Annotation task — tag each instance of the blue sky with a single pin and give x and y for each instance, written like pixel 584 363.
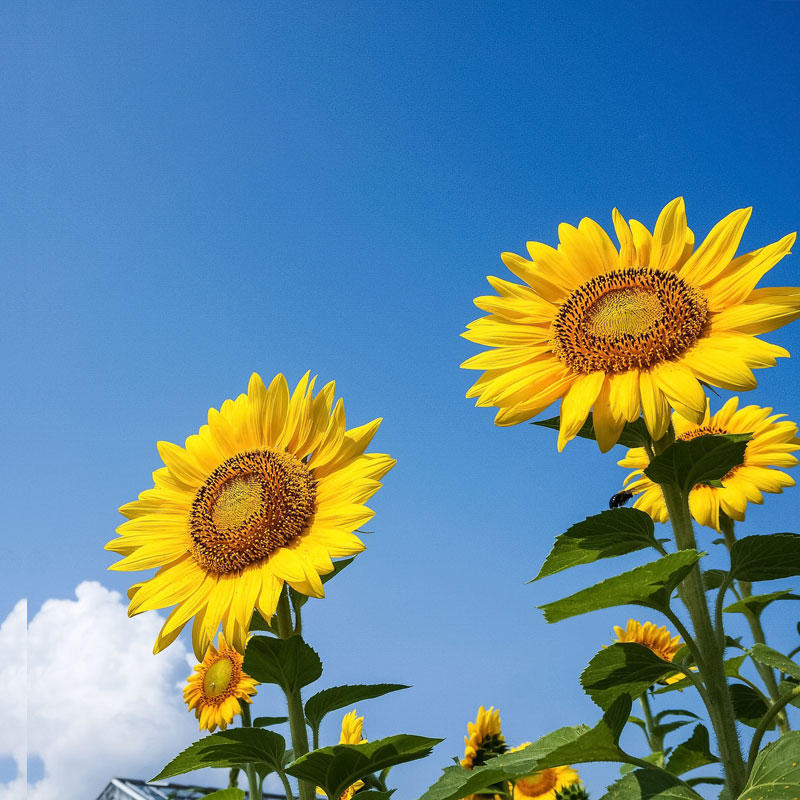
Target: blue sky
pixel 193 193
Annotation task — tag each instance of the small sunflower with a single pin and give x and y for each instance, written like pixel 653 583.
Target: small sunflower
pixel 218 686
pixel 659 640
pixel 772 444
pixel 484 739
pixel 267 493
pixel 630 331
pixel 352 729
pixel 545 784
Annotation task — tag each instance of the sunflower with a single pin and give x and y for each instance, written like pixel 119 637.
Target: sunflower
pixel 352 729
pixel 217 687
pixel 659 640
pixel 545 784
pixel 265 494
pixel 484 739
pixel 630 331
pixel 772 444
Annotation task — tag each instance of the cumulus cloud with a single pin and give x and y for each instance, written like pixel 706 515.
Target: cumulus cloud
pixel 100 703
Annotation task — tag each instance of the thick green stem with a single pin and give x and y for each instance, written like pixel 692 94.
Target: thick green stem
pixel 654 741
pixel 756 630
pixel 294 700
pixel 692 593
pixel 253 781
pixel 766 721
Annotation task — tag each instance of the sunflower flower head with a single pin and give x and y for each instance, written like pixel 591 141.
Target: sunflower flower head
pixel 659 640
pixel 547 784
pixel 218 686
pixel 627 331
pixel 771 446
pixel 484 738
pixel 265 494
pixel 352 729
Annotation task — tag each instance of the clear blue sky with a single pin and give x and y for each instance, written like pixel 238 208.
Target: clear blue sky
pixel 196 191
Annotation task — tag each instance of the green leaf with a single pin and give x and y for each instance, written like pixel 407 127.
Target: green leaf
pixel 235 747
pixel 766 557
pixel 786 686
pixel 574 745
pixel 329 700
pixel 692 753
pixel 668 727
pixel 732 667
pixel 650 784
pixel 676 712
pixel 372 794
pixel 649 585
pixel 776 772
pixel 713 578
pixel 604 535
pixel 623 668
pixel 231 793
pixel 756 603
pixel 772 658
pixel 634 434
pixel 267 722
pixel 706 459
pixel 709 779
pixel 748 705
pixel 290 663
pixel 340 766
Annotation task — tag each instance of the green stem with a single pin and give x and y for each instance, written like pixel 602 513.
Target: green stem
pixel 756 629
pixel 692 593
pixel 654 741
pixel 253 782
pixel 766 720
pixel 287 787
pixel 294 700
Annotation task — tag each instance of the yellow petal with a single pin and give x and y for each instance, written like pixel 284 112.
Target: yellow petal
pixel 576 405
pixel 717 250
pixel 669 235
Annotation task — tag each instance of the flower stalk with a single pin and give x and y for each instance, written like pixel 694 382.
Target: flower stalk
pixel 253 782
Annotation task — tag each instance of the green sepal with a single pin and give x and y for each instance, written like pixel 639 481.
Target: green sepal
pixel 623 668
pixel 633 434
pixel 235 747
pixel 776 771
pixel 772 658
pixel 705 459
pixel 649 585
pixel 572 745
pixel 748 705
pixel 650 784
pixel 604 535
pixel 766 557
pixel 756 603
pixel 289 663
pixel 692 753
pixel 336 768
pixel 337 697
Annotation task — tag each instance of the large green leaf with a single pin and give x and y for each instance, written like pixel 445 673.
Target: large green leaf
pixel 766 557
pixel 650 784
pixel 235 747
pixel 634 434
pixel 573 745
pixel 772 658
pixel 290 663
pixel 610 533
pixel 268 722
pixel 231 793
pixel 748 705
pixel 706 459
pixel 692 753
pixel 622 668
pixel 336 768
pixel 776 772
pixel 756 603
pixel 329 700
pixel 649 585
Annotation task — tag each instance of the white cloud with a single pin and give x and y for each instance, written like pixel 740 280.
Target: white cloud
pixel 100 703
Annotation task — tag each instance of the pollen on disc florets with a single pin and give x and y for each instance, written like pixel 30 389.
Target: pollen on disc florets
pixel 248 507
pixel 626 319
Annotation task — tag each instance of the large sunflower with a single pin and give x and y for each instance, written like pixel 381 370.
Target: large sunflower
pixel 265 494
pixel 628 331
pixel 772 444
pixel 218 686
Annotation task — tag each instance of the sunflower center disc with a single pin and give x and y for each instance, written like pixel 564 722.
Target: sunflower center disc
pixel 218 678
pixel 538 784
pixel 628 319
pixel 248 507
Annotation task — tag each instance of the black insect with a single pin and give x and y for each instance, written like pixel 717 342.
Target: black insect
pixel 619 499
